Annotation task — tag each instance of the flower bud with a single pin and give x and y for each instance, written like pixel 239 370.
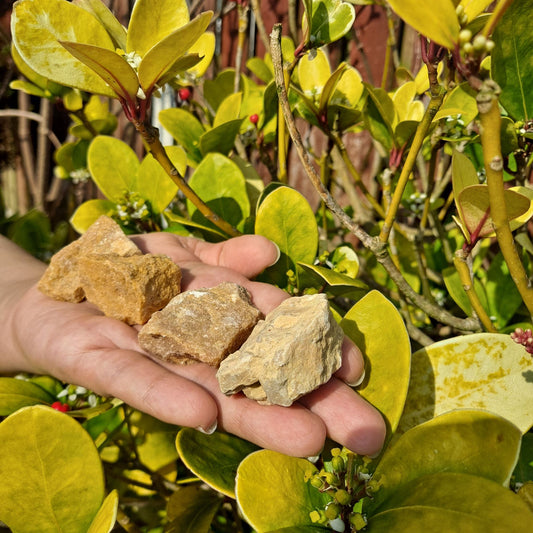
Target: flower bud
pixel 465 36
pixel 479 43
pixel 332 511
pixel 338 464
pixel 343 497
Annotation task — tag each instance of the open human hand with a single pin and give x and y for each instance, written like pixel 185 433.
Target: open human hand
pixel 76 344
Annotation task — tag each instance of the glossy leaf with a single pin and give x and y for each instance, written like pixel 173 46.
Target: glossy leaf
pixel 89 212
pixel 17 393
pixel 205 48
pixel 455 289
pixel 380 116
pixel 213 458
pixel 337 283
pixel 220 184
pixel 469 442
pixel 272 492
pixel 50 471
pixel 161 57
pixel 151 22
pixel 376 326
pixel 107 19
pixel 327 20
pixel 436 21
pixel 191 509
pixel 37 29
pixel 220 139
pixel 285 217
pixel 186 129
pixel 461 101
pixel 349 88
pixel 474 207
pixel 113 166
pixel 511 60
pixel 106 517
pixel 229 109
pixel 110 66
pixel 154 184
pixel 482 371
pixel 453 502
pixel 313 73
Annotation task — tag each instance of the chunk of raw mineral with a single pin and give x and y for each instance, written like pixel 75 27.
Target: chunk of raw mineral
pixel 61 279
pixel 201 325
pixel 131 288
pixel 292 352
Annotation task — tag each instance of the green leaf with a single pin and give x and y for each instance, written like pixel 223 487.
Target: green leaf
pixel 460 101
pixel 154 184
pixel 464 172
pixel 52 478
pixel 453 502
pixel 511 60
pixel 113 166
pixel 380 116
pixel 220 139
pixel 313 73
pixel 89 212
pixel 160 59
pixel 37 29
pixel 260 69
pixel 151 22
pixel 285 217
pixel 107 19
pixel 464 441
pixel 228 109
pixel 338 284
pixel 16 393
pixel 213 458
pixel 453 284
pixel 219 182
pixel 110 66
pixel 524 468
pixel 482 371
pixel 436 21
pixel 107 515
pixel 186 129
pixel 376 326
pixel 191 509
pixel 327 20
pixel 474 208
pixel 272 492
pixel 474 7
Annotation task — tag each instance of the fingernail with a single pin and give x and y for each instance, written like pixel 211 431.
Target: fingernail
pixel 359 381
pixel 279 253
pixel 313 459
pixel 209 430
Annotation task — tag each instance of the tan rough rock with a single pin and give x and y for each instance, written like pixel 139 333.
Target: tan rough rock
pixel 130 288
pixel 201 325
pixel 291 353
pixel 61 279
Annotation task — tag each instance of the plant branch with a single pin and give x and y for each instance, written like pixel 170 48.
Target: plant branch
pixel 151 137
pixel 490 119
pixel 372 243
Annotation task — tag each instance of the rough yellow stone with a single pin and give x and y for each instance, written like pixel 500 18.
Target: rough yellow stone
pixel 130 288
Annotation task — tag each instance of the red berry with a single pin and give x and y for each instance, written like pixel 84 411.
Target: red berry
pixel 184 93
pixel 254 119
pixel 58 406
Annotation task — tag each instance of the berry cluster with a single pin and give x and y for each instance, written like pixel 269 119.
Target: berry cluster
pixel 523 337
pixel 344 478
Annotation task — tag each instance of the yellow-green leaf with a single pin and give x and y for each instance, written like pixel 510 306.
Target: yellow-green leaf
pixel 229 109
pixel 89 212
pixel 464 441
pixel 435 20
pixel 110 66
pixel 483 371
pixel 52 478
pixel 272 492
pixel 38 27
pixel 213 458
pixel 474 7
pixel 107 515
pixel 313 73
pixel 376 326
pixel 163 55
pixel 17 393
pixel 152 21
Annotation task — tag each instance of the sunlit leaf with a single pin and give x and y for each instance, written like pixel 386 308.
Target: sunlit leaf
pixel 464 441
pixel 461 103
pixel 327 20
pixel 482 371
pixel 52 478
pixel 89 212
pixel 376 326
pixel 313 73
pixel 272 492
pixel 151 22
pixel 474 7
pixel 213 458
pixel 453 502
pixel 110 66
pixel 106 517
pixel 436 21
pixel 37 29
pixel 229 109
